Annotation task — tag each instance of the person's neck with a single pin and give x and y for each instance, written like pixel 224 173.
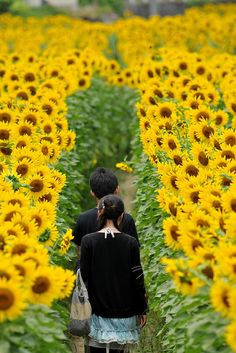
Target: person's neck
pixel 109 224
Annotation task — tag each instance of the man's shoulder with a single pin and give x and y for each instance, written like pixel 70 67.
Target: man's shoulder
pixel 128 217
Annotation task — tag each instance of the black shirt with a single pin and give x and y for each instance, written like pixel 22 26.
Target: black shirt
pixel 87 223
pixel 113 274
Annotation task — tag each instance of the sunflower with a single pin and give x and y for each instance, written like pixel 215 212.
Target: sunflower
pixel 8 211
pixel 172 233
pixel 7 116
pixel 48 126
pixel 13 299
pixel 221 118
pixel 166 110
pixel 7 271
pixel 22 141
pixel 23 168
pixel 25 222
pixel 201 154
pixel 190 168
pixel 229 200
pixel 39 217
pixel 38 185
pixel 66 241
pixel 204 131
pixel 229 137
pixel 15 197
pixel 20 245
pixel 5 131
pixel 45 286
pixel 202 113
pixel 67 280
pixel 220 294
pixel 230 335
pixel 170 143
pixel 124 167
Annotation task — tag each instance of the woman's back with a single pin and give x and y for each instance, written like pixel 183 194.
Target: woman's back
pixel 111 268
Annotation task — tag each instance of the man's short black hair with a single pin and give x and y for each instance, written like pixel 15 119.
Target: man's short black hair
pixel 103 182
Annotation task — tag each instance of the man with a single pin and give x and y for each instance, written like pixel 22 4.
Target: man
pixel 102 182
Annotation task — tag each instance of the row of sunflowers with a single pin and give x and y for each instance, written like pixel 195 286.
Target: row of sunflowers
pixel 184 70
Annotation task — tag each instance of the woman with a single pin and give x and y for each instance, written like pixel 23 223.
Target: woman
pixel 111 269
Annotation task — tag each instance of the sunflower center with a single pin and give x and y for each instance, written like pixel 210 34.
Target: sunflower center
pixel 36 185
pixel 209 257
pixel 225 299
pixel 226 181
pixel 233 106
pixel 201 70
pixel 172 144
pixel 6 299
pixel 216 204
pixel 194 105
pixel 22 169
pixel 194 196
pixel 203 158
pixel 47 129
pixel 207 131
pixel 4 134
pixel 38 220
pixel 19 249
pixel 4 274
pixel 202 115
pixel 228 154
pixel 30 118
pixel 202 223
pixel 173 180
pixel 158 93
pixel 191 170
pixel 174 232
pixel 45 150
pixel 29 77
pixel 196 244
pixel 82 82
pixel 165 112
pixel 230 140
pixel 41 285
pixel 183 66
pixel 173 209
pixel 22 95
pixel 25 130
pixel 21 270
pixel 218 120
pixel 47 108
pixel 233 205
pixel 208 272
pixel 5 117
pixel 178 160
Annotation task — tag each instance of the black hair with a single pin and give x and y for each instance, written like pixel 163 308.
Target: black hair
pixel 103 182
pixel 110 207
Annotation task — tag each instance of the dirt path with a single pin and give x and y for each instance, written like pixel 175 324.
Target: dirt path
pixel 127 189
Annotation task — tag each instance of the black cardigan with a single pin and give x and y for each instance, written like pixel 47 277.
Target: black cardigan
pixel 113 274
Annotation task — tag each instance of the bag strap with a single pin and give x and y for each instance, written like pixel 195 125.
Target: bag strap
pixel 83 288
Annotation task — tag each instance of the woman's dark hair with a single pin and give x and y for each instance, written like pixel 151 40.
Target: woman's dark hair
pixel 110 207
pixel 103 182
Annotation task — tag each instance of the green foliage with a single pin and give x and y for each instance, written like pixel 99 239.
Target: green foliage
pixel 100 117
pixel 179 324
pixel 39 329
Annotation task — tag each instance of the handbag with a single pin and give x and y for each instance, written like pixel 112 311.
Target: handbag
pixel 81 310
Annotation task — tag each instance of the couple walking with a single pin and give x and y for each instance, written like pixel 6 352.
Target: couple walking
pixel 108 249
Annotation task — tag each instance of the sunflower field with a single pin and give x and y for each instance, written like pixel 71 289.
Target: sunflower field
pixel 158 94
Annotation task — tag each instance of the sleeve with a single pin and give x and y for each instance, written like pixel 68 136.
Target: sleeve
pixel 138 280
pixel 77 232
pixel 85 259
pixel 128 227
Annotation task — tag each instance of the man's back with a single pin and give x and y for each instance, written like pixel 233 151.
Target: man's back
pixel 87 223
